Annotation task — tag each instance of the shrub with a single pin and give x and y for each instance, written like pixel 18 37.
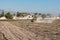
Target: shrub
pixel 8 15
pixel 32 20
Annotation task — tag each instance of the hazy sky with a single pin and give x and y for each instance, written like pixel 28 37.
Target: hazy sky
pixel 42 6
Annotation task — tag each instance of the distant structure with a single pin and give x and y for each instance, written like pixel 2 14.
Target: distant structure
pixel 2 18
pixel 47 19
pixel 25 17
pixel 39 18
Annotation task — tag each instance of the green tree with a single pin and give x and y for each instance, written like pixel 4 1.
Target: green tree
pixel 9 15
pixel 35 13
pixel 2 14
pixel 19 14
pixel 49 15
pixel 40 14
pixel 43 16
pixel 14 14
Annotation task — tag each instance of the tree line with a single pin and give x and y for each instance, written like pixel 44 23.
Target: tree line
pixel 9 15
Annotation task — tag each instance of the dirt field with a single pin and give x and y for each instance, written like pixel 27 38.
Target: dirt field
pixel 20 30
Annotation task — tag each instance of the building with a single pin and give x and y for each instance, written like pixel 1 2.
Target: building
pixel 2 18
pixel 46 19
pixel 25 17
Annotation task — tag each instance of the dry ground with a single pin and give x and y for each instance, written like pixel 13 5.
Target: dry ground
pixel 23 30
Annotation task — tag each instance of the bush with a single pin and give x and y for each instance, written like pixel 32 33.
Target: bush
pixel 32 20
pixel 8 15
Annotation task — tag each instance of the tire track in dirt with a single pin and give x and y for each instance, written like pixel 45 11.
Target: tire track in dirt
pixel 13 32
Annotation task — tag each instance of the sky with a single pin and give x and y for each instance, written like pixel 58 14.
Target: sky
pixel 40 6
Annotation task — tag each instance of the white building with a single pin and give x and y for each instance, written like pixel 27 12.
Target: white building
pixel 25 17
pixel 2 18
pixel 47 19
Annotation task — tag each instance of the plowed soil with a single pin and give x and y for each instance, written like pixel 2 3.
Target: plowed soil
pixel 16 30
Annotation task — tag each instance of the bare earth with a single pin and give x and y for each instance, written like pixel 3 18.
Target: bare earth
pixel 30 31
